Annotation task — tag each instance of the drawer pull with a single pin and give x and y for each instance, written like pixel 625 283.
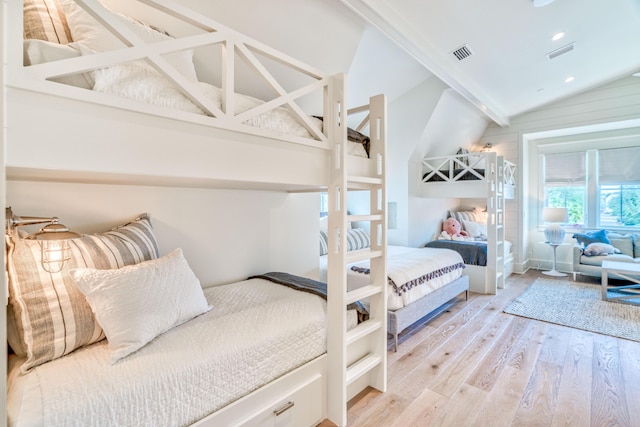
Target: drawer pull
pixel 284 409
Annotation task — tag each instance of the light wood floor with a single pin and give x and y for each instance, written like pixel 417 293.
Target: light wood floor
pixel 473 365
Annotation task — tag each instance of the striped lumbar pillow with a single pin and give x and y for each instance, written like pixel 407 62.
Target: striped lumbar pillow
pixel 48 315
pixel 324 242
pixel 45 20
pixel 357 239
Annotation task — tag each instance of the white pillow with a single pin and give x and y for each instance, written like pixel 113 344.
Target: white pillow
pixel 599 249
pixel 135 304
pixel 475 229
pixel 140 82
pixel 40 51
pixel 88 32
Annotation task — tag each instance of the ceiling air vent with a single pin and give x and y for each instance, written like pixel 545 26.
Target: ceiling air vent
pixel 462 52
pixel 561 51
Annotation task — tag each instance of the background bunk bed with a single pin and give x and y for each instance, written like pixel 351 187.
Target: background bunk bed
pixel 476 175
pixel 119 140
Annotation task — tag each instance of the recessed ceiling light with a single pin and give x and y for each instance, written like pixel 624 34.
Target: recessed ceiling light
pixel 569 79
pixel 557 36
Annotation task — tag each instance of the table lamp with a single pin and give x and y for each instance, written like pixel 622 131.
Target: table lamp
pixel 554 233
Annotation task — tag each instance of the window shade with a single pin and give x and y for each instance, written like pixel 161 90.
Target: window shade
pixel 565 168
pixel 619 165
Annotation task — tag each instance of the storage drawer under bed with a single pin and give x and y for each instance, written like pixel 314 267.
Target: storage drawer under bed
pixel 298 408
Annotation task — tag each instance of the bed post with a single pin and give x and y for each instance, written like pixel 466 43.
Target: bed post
pixel 334 119
pixel 494 274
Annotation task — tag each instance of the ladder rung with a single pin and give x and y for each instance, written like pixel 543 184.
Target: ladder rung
pixel 363 330
pixel 362 293
pixel 362 366
pixel 353 218
pixel 368 180
pixel 363 254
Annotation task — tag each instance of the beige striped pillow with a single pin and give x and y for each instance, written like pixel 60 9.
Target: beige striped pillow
pixel 45 20
pixel 48 315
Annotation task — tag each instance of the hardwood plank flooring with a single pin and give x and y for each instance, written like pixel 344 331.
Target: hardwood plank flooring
pixel 471 364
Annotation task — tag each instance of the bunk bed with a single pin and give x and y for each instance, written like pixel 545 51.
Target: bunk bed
pixel 198 131
pixel 475 175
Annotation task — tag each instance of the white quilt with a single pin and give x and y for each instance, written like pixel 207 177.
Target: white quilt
pixel 256 332
pixel 405 264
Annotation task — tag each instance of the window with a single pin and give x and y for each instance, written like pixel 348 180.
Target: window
pixel 619 187
pixel 600 187
pixel 565 183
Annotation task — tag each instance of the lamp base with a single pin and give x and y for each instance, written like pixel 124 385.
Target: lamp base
pixel 554 273
pixel 554 234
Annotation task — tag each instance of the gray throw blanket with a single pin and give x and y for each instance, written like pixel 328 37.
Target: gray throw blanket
pixel 309 285
pixel 296 282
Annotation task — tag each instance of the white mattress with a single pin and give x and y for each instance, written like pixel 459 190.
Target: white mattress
pixel 404 264
pixel 256 332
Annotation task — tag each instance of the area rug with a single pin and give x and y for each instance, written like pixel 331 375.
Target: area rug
pixel 577 305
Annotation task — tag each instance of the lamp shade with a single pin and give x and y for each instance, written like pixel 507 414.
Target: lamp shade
pixel 555 215
pixel 55 249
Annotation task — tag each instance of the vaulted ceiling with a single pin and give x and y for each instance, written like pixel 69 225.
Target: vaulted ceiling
pixel 509 62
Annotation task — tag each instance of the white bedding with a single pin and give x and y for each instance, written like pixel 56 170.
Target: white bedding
pixel 256 332
pixel 139 82
pixel 405 264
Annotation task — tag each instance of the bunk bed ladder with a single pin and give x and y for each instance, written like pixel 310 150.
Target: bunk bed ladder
pixel 495 224
pixel 500 211
pixel 356 358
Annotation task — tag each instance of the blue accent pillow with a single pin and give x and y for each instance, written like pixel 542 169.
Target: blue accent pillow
pixel 586 239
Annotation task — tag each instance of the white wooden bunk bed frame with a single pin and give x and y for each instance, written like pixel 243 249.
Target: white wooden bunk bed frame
pixel 489 176
pixel 220 152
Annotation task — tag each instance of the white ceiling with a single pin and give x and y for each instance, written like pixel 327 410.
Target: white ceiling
pixel 508 72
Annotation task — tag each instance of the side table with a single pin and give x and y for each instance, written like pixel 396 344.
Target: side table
pixel 553 271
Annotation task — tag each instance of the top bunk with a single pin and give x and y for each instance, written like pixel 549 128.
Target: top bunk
pixel 468 175
pixel 149 92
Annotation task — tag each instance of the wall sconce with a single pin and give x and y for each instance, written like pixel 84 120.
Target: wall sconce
pixel 486 147
pixel 53 238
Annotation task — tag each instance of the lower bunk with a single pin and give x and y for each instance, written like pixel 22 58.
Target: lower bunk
pixel 420 280
pixel 257 354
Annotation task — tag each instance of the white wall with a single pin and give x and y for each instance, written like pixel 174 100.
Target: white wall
pixel 454 123
pixel 407 118
pixel 226 235
pixel 610 106
pixel 431 119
